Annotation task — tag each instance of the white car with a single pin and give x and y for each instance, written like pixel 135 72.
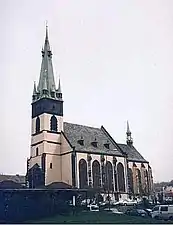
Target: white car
pixel 93 208
pixel 128 202
pixel 113 210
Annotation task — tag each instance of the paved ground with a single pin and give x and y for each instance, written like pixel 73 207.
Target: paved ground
pixel 98 217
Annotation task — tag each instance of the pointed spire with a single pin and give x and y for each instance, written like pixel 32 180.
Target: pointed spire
pixel 59 86
pixel 34 96
pixel 46 44
pixel 34 89
pixel 128 129
pixel 59 91
pixel 129 137
pixel 46 80
pixel 46 31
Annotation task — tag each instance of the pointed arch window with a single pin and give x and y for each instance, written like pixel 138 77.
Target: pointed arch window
pixel 109 176
pixel 130 179
pixel 83 180
pixel 53 124
pixel 96 174
pixel 121 178
pixel 37 127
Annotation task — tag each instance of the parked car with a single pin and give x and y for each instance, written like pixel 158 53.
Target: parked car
pixel 113 210
pixel 93 208
pixel 148 211
pixel 136 212
pixel 128 202
pixel 162 212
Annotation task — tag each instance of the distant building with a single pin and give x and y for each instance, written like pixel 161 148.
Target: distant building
pixel 12 181
pixel 79 155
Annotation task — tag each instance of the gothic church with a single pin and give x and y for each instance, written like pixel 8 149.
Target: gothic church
pixel 76 155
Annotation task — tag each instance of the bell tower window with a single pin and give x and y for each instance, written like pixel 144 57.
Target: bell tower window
pixel 53 124
pixel 37 127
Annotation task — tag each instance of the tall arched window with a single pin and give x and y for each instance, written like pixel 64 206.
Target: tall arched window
pixel 139 181
pixel 146 182
pixel 37 126
pixel 109 176
pixel 130 179
pixel 83 181
pixel 53 123
pixel 96 174
pixel 121 180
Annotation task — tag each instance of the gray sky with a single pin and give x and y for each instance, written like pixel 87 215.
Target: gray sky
pixel 115 59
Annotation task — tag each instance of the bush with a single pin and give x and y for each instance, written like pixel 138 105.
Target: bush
pixel 22 206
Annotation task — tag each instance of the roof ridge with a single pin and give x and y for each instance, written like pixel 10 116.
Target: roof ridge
pixel 83 125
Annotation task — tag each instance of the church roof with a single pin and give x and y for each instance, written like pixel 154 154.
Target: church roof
pixel 132 153
pixel 75 132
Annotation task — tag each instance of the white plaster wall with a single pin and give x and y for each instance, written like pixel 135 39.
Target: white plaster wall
pixel 40 149
pixel 66 169
pixel 46 136
pixel 65 147
pixel 54 174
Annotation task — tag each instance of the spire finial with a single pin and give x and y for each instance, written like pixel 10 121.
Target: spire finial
pixel 59 86
pixel 34 90
pixel 46 30
pixel 128 129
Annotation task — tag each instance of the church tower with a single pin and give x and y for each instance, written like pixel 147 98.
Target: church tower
pixel 129 139
pixel 47 124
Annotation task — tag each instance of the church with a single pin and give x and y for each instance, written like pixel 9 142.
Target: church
pixel 79 156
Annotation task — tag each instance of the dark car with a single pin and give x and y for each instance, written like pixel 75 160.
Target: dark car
pixel 136 212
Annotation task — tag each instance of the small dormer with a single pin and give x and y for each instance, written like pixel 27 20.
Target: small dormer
pixel 81 141
pixel 107 145
pixel 94 143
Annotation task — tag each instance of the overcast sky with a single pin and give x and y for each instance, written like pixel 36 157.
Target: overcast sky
pixel 115 60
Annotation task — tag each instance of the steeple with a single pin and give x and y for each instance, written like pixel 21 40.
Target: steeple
pixel 46 81
pixel 129 139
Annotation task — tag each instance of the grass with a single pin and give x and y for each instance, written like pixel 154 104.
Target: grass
pixel 98 217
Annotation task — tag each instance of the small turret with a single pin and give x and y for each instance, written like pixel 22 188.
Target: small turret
pixel 34 96
pixel 59 92
pixel 129 139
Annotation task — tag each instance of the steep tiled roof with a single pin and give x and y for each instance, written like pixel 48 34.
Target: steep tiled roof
pixel 132 153
pixel 74 132
pixel 14 178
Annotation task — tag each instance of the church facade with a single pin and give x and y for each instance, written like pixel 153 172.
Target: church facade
pixel 75 155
